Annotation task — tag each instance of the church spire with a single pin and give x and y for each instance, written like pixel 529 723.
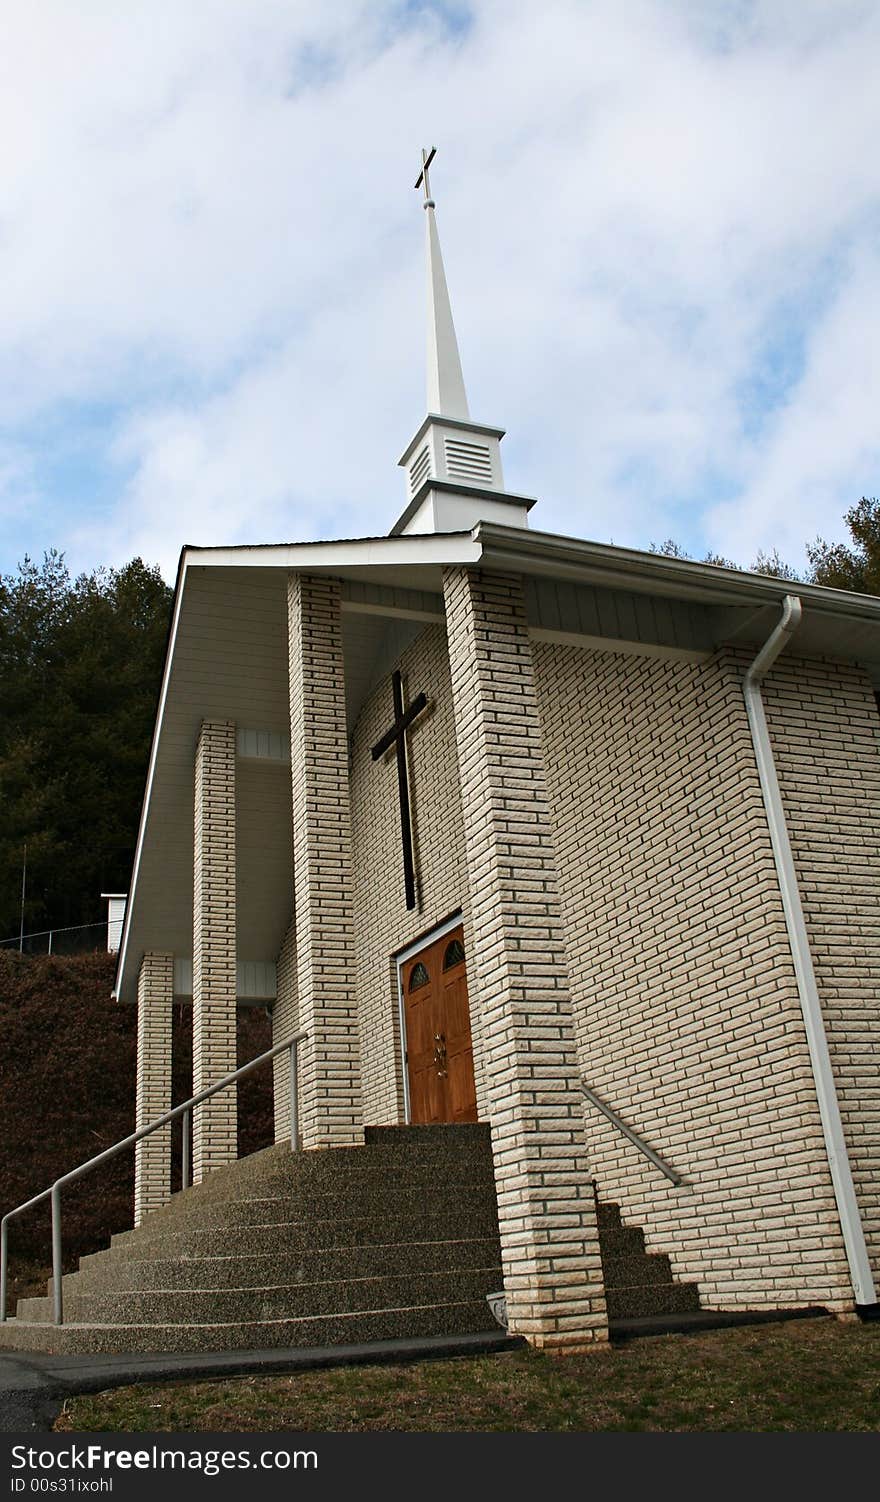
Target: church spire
pixel 446 393
pixel 452 465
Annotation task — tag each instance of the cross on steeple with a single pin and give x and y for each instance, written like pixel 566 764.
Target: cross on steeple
pixel 396 737
pixel 427 159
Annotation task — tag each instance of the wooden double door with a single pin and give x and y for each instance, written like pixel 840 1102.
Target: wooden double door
pixel 439 1052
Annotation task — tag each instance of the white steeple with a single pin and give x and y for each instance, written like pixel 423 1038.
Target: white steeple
pixel 453 465
pixel 446 393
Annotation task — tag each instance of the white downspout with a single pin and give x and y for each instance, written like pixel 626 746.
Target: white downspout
pixel 829 1110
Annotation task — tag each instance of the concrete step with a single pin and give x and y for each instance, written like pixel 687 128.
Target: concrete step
pixel 307 1266
pixel 638 1284
pixel 341 1203
pixel 434 1158
pixel 623 1271
pixel 623 1241
pixel 428 1147
pixel 466 1222
pixel 640 1300
pixel 408 1322
pixel 309 1173
pixel 240 1305
pixel 469 1135
pixel 398 1237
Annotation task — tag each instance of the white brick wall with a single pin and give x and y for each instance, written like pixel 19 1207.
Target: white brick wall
pixel 331 1112
pixel 517 973
pixel 215 1138
pixel 382 923
pixel 685 1008
pixel 152 1156
pixel 825 730
pixel 285 1021
pixel 687 1013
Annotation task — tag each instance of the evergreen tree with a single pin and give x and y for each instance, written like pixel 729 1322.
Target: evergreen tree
pixel 80 667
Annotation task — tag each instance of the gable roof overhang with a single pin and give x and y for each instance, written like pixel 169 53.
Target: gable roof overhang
pixel 227 659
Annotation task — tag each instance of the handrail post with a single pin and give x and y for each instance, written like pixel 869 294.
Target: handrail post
pixel 295 1141
pixel 4 1262
pixel 57 1295
pixel 185 1149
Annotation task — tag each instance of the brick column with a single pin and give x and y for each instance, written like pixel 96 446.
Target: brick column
pixel 330 1089
pixel 214 955
pixel 285 1020
pixel 519 980
pixel 152 1156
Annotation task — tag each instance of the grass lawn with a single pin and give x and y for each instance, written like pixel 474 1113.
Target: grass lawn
pixel 809 1375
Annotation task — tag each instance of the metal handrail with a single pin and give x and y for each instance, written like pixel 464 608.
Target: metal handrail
pixel 596 1100
pixel 54 1192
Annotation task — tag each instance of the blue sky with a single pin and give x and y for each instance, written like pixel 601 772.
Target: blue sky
pixel 660 223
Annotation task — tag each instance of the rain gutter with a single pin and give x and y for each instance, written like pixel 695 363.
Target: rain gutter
pixel 820 1060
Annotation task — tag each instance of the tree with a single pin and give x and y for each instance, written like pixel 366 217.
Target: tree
pixel 835 565
pixel 765 563
pixel 80 667
pixel 856 567
pixel 771 563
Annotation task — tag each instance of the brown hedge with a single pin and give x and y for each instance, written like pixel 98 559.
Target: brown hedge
pixel 67 1079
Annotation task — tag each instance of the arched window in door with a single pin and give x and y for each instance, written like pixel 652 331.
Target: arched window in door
pixel 454 954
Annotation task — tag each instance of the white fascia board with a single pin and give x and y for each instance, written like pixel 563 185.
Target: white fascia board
pixel 367 552
pixel 627 568
pixel 122 979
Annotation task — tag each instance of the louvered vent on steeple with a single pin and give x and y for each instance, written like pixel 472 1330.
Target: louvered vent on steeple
pixel 419 469
pixel 471 462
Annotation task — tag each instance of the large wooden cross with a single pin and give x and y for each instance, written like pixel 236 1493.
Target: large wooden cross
pixel 396 737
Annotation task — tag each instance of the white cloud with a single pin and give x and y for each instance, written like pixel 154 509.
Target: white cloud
pixel 207 229
pixel 827 435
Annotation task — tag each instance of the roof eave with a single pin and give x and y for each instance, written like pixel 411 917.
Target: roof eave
pixel 615 567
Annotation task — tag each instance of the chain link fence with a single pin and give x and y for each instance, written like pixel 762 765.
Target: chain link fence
pixel 80 938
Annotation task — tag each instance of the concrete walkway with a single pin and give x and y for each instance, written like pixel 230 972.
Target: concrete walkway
pixel 33 1386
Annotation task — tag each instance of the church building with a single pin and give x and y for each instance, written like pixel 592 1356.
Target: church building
pixel 574 841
